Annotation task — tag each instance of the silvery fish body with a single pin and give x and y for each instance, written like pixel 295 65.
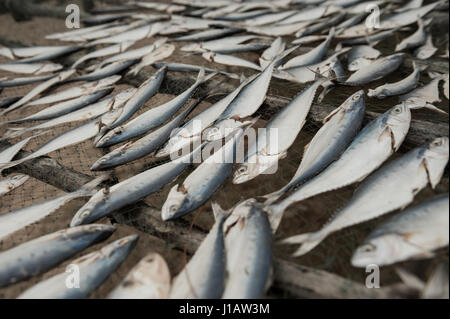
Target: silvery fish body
pixel 338 131
pixel 56 53
pixel 18 219
pixel 423 95
pixel 207 35
pixel 10 183
pixel 375 71
pixel 31 68
pixel 94 268
pixel 27 52
pixel 276 48
pixel 107 71
pixel 392 187
pixel 361 56
pixel 149 279
pixel 80 31
pixel 414 40
pixel 6 82
pixel 269 18
pixel 151 118
pixel 181 67
pixel 406 17
pixel 162 52
pixel 427 50
pixel 371 39
pixel 310 14
pixel 140 33
pixel 248 242
pixel 203 182
pixel 43 253
pixel 129 191
pixel 327 23
pixel 230 60
pixel 376 142
pixel 265 152
pixel 114 49
pixel 204 275
pixel 219 45
pixel 414 233
pixel 278 30
pixel 7 154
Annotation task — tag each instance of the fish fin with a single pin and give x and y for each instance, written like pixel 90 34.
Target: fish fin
pixel 89 188
pixel 410 279
pixel 434 108
pixel 326 88
pixel 297 239
pixel 219 212
pixel 308 242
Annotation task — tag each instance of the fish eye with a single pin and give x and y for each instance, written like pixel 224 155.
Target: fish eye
pixel 85 213
pixel 437 143
pixel 368 248
pixel 173 208
pixel 398 110
pixel 242 170
pixel 356 97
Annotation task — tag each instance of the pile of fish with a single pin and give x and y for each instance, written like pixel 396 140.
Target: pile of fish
pixel 235 258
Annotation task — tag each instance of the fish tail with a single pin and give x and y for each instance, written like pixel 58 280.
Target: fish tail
pixel 89 189
pixel 308 242
pixel 274 213
pixel 434 108
pixel 219 212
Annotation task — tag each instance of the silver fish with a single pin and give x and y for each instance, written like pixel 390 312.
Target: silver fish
pixel 63 107
pixel 203 182
pixel 230 60
pixel 278 30
pixel 248 243
pixel 208 35
pixel 406 17
pixel 311 14
pixel 204 276
pixel 76 91
pixel 412 4
pixel 159 6
pixel 309 39
pixel 160 53
pixel 277 47
pixel 423 96
pixel 104 18
pixel 56 53
pixel 86 113
pixel 6 82
pixel 39 89
pixel 31 68
pixel 7 154
pixel 239 16
pixel 181 67
pixel 375 71
pixel 43 253
pixel 28 52
pixel 149 279
pixel 414 40
pixel 192 130
pixel 151 118
pixel 18 219
pixel 311 57
pixel 370 39
pixel 385 191
pixel 380 138
pixel 141 147
pixel 140 33
pixel 361 56
pixel 10 183
pixel 412 234
pixel 427 50
pixel 107 71
pixel 94 269
pixel 326 24
pixel 270 18
pixel 397 88
pixel 338 131
pixel 222 45
pixel 76 32
pixel 265 152
pixel 131 190
pixel 114 49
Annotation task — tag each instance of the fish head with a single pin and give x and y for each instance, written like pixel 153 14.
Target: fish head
pixel 355 101
pixel 254 166
pixel 120 247
pixel 92 210
pixel 151 270
pixel 19 179
pixel 358 64
pixel 436 158
pixel 398 120
pixel 383 250
pixel 109 159
pixel 122 97
pixel 244 173
pixel 379 92
pixel 109 137
pixel 177 204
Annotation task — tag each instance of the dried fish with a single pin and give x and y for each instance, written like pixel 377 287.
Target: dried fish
pixel 160 53
pixel 114 49
pixel 427 50
pixel 31 68
pixel 10 183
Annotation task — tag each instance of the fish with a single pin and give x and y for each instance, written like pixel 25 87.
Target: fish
pixel 412 4
pixel 86 113
pixel 380 138
pixel 38 90
pixel 414 40
pixel 397 88
pixel 338 131
pixel 204 181
pixel 444 77
pixel 10 183
pixel 223 45
pixel 240 108
pixel 407 17
pixel 375 71
pixel 7 154
pixel 326 24
pixel 105 18
pixel 31 68
pixel 204 275
pixel 270 18
pixel 23 217
pixel 53 54
pixel 181 67
pixel 106 71
pixel 151 118
pixel 312 56
pixel 28 52
pixel 311 14
pixel 371 40
pixel 145 145
pixel 114 49
pixel 192 130
pixel 76 91
pixel 70 137
pixel 230 60
pixel 278 30
pixel 160 53
pixel 8 101
pixel 361 56
pixel 143 32
pixel 131 190
pixel 159 6
pixel 149 279
pixel 6 82
pixel 208 34
pixel 423 96
pixel 94 268
pixel 133 54
pixel 276 48
pixel 239 16
pixel 63 107
pixel 309 39
pixel 39 255
pixel 412 234
pixel 265 151
pixel 248 242
pixel 384 191
pixel 427 50
pixel 77 32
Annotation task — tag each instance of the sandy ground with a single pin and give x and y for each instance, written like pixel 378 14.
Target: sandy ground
pixel 332 255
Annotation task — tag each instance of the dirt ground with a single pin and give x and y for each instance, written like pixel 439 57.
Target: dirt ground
pixel 332 255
